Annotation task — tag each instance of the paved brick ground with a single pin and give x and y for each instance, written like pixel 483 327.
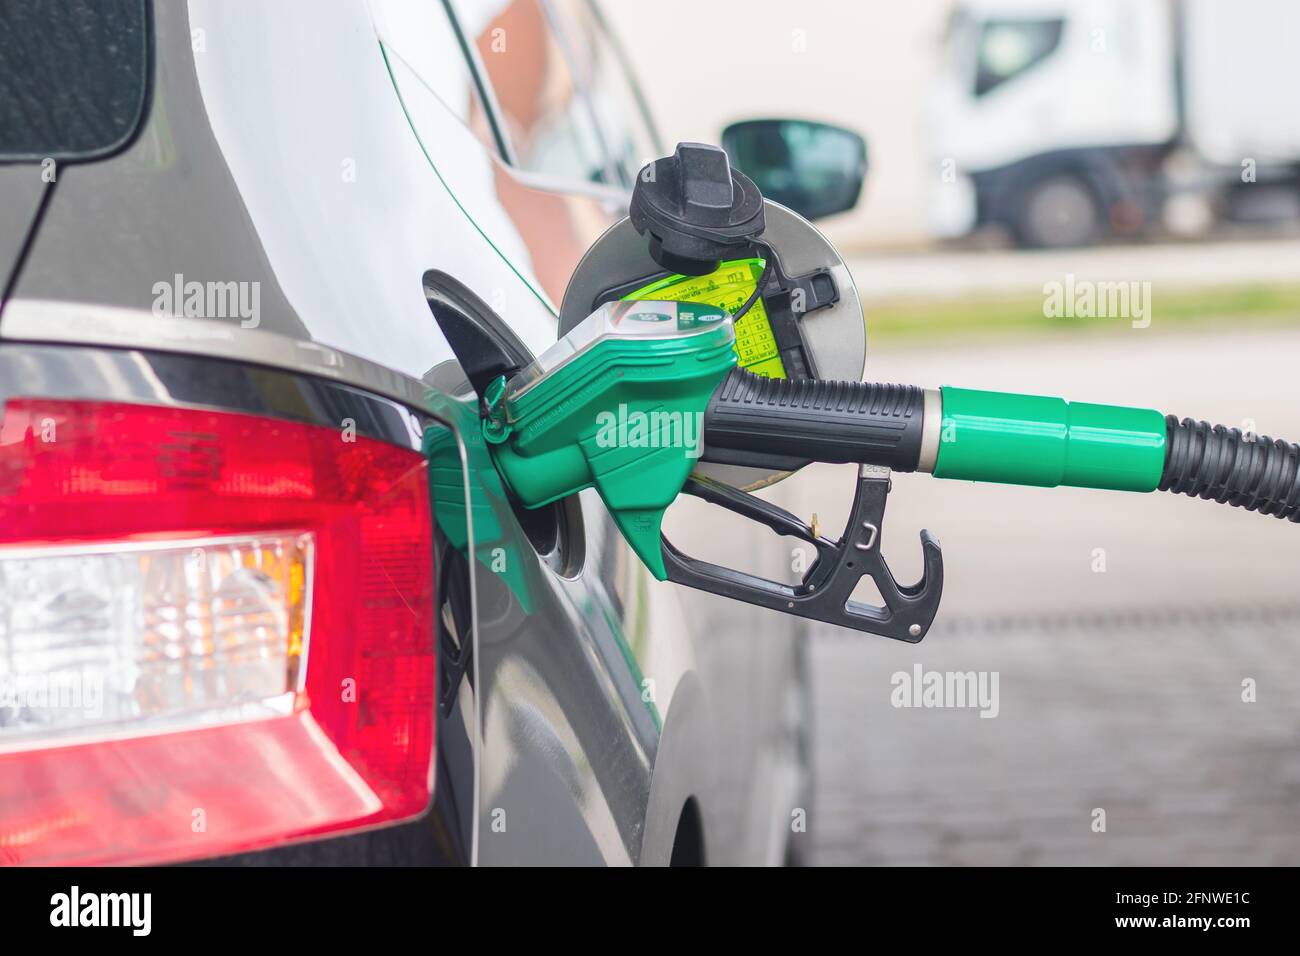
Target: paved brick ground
pixel 1139 715
pixel 1138 712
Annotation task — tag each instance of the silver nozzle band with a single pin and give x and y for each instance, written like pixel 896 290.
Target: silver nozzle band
pixel 931 427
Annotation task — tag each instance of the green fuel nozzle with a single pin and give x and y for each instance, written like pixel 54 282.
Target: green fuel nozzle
pixel 616 405
pixel 642 392
pixel 636 396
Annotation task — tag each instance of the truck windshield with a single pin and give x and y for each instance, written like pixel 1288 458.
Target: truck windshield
pixel 1007 48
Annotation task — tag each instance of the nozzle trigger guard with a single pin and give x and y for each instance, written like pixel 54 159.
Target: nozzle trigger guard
pixel 825 592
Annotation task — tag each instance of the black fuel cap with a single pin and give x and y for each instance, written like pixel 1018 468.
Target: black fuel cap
pixel 695 208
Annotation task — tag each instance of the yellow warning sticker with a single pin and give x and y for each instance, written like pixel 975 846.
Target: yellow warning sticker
pixel 728 288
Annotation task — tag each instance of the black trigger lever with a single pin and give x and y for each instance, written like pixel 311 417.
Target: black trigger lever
pixel 824 593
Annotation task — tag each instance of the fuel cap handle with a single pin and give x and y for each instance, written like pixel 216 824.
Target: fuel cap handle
pixel 695 209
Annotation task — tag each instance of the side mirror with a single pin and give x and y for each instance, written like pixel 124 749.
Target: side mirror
pixel 813 168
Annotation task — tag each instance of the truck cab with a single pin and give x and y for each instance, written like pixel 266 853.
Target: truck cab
pixel 1022 124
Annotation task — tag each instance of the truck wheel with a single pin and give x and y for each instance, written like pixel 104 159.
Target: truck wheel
pixel 1058 212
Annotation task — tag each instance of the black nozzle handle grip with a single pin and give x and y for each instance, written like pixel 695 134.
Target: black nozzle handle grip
pixel 813 420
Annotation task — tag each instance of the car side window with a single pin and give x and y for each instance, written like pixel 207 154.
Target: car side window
pixel 421 33
pixel 600 68
pixel 546 120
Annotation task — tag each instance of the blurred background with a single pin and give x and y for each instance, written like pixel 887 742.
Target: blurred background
pixel 1146 649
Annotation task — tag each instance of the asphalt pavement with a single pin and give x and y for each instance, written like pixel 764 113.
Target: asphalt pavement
pixel 1147 647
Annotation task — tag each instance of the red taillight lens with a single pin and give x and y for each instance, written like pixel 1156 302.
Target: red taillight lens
pixel 216 632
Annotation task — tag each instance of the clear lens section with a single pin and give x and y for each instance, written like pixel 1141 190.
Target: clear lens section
pixel 120 638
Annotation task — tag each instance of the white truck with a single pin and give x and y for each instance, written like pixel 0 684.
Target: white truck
pixel 1069 120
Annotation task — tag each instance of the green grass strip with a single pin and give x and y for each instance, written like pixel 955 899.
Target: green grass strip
pixel 982 315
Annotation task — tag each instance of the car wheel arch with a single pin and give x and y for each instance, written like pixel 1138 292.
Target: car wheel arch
pixel 680 778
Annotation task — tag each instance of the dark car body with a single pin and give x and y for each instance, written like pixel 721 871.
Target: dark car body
pixel 355 160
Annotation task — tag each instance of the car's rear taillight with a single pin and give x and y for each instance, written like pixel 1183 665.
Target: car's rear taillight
pixel 216 632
